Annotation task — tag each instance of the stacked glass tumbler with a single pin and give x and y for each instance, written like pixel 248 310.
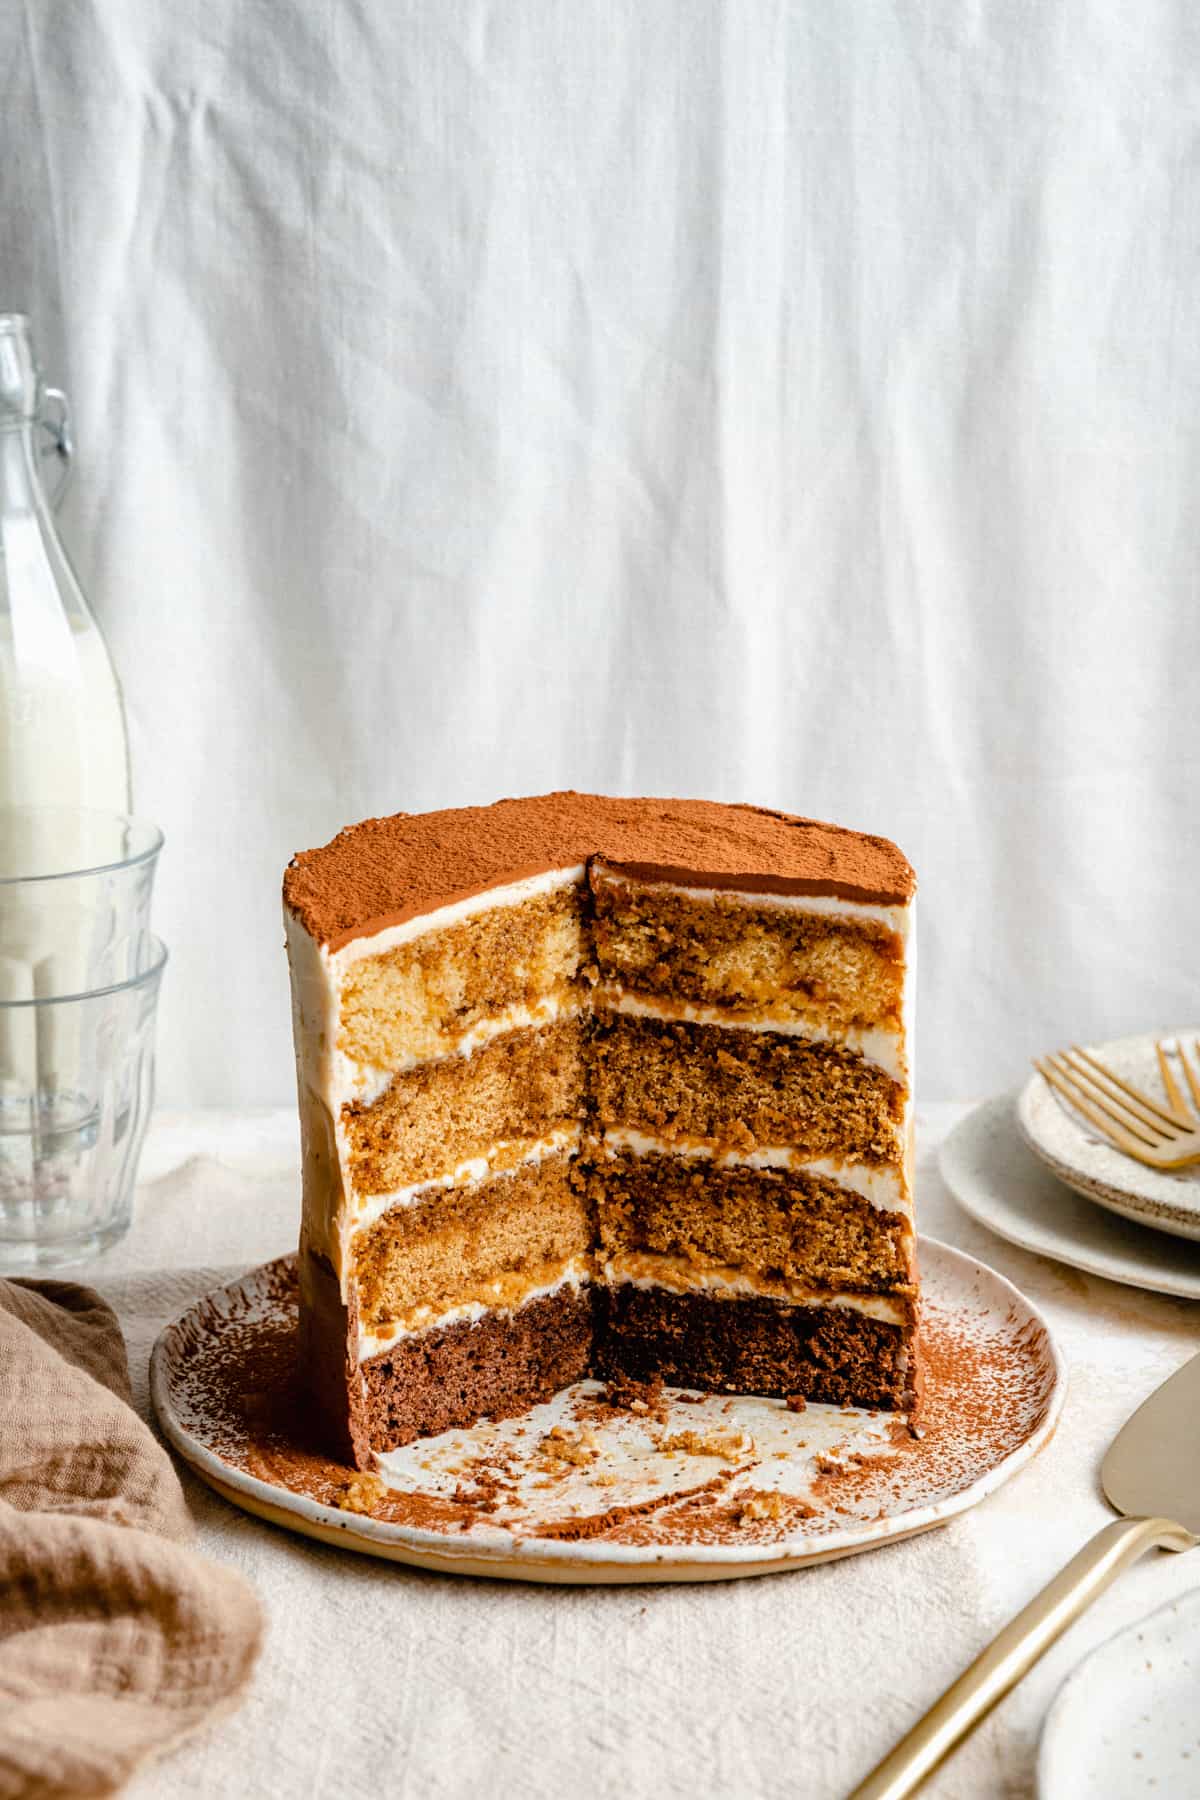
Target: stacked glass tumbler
pixel 79 980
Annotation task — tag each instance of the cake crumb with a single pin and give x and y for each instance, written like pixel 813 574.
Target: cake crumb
pixel 645 1398
pixel 728 1445
pixel 359 1494
pixel 758 1506
pixel 796 1403
pixel 480 1500
pixel 579 1448
pixel 489 1482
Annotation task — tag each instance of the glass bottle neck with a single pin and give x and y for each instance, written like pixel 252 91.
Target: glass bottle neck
pixel 18 373
pixel 21 488
pixel 16 441
pixel 20 482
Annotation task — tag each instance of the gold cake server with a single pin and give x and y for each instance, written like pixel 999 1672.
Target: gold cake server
pixel 1152 1475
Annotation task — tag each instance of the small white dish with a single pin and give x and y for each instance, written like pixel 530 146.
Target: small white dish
pixel 1001 1184
pixel 1126 1723
pixel 1075 1152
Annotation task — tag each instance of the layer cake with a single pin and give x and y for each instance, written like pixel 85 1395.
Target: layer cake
pixel 593 1086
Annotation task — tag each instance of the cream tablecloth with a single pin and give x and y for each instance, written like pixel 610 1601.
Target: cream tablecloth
pixel 376 1680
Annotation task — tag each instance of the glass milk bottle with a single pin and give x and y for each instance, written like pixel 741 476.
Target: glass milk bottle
pixel 62 725
pixel 62 737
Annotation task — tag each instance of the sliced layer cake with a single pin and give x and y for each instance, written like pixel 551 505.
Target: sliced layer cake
pixel 597 1086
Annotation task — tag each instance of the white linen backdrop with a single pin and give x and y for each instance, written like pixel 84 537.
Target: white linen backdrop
pixel 792 403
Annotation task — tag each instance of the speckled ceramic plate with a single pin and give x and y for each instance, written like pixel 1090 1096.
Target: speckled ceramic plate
pixel 1125 1724
pixel 1076 1153
pixel 995 1177
pixel 693 1487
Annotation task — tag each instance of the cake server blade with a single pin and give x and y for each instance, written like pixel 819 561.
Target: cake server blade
pixel 1153 1463
pixel 1151 1474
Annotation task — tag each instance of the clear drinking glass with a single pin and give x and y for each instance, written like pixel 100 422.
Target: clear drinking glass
pixel 75 889
pixel 79 979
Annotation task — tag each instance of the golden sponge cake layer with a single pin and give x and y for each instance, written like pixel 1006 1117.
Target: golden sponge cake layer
pixel 752 956
pixel 521 1085
pixel 742 1088
pixel 515 1232
pixel 774 1225
pixel 425 997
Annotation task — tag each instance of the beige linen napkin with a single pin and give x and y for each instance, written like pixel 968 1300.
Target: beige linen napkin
pixel 115 1638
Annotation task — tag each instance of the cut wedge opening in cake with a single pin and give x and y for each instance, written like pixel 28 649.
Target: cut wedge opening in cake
pixel 601 1087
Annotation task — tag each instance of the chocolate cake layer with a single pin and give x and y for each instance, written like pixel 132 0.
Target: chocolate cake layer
pixel 774 1224
pixel 494 1369
pixel 722 951
pixel 741 1088
pixel 521 1085
pixel 750 1346
pixel 472 1244
pixel 328 1361
pixel 417 1000
pixel 383 872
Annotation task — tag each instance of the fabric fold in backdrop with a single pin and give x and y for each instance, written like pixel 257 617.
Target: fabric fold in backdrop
pixel 116 1639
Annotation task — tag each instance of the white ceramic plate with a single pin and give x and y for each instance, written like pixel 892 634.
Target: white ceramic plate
pixel 1001 1184
pixel 1075 1152
pixel 1125 1724
pixel 702 1487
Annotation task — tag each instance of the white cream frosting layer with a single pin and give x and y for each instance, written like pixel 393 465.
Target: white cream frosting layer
pixel 637 1268
pixel 876 1045
pixel 321 1082
pixel 883 1184
pixel 364 1209
pixel 908 1005
pixel 576 1274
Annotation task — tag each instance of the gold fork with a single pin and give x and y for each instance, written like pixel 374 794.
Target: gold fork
pixel 1163 1137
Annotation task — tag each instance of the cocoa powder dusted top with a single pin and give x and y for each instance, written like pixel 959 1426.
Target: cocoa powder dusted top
pixel 385 871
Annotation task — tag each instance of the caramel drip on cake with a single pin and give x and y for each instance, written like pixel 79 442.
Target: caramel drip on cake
pixel 611 1087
